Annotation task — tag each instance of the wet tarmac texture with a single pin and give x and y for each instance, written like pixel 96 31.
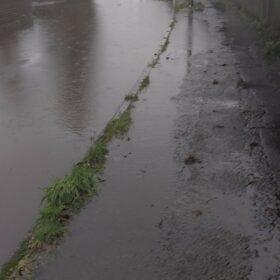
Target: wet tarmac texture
pixel 63 72
pixel 190 193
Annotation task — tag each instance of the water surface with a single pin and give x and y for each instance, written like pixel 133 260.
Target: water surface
pixel 62 75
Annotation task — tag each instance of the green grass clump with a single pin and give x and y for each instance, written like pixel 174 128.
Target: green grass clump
pixel 145 83
pixel 63 198
pixel 69 192
pixel 172 24
pixel 15 264
pixel 155 61
pixel 96 155
pixel 117 127
pixel 179 6
pixel 198 7
pixel 50 214
pixel 49 232
pixel 272 49
pixel 131 97
pixel 164 46
pixel 195 6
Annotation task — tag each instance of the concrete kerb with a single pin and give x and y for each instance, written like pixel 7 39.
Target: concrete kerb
pixel 146 72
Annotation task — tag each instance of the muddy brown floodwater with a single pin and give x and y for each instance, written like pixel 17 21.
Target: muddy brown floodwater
pixel 62 75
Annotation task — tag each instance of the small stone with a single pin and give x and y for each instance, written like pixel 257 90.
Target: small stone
pixel 254 144
pixel 197 213
pixel 219 126
pixel 256 253
pixel 242 84
pixel 252 182
pixel 190 159
pixel 160 224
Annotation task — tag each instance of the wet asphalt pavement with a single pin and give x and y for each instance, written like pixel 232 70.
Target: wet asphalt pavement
pixel 63 73
pixel 160 215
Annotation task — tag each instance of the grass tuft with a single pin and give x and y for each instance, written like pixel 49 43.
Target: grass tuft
pixel 131 97
pixel 50 214
pixel 172 24
pixel 179 6
pixel 145 83
pixel 49 232
pixel 117 127
pixel 164 46
pixel 96 156
pixel 272 49
pixel 68 193
pixel 15 264
pixel 198 7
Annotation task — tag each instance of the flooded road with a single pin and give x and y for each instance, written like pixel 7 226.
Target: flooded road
pixel 62 76
pixel 183 196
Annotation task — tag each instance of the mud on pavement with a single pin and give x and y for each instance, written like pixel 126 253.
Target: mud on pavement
pixel 191 193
